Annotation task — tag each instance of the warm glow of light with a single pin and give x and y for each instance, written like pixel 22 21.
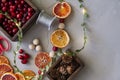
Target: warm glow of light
pixel 84 11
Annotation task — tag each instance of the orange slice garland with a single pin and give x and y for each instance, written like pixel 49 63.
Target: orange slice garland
pixel 62 9
pixel 42 59
pixel 29 74
pixel 5 68
pixel 19 76
pixel 60 38
pixel 8 76
pixel 4 59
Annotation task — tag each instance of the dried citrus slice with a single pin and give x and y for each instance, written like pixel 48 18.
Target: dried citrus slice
pixel 62 9
pixel 4 59
pixel 5 68
pixel 19 76
pixel 8 76
pixel 42 59
pixel 60 38
pixel 29 74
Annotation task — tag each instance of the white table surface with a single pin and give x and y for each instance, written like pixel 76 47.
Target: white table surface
pixel 101 55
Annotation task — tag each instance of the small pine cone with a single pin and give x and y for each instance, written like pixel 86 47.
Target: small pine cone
pixel 54 73
pixel 62 70
pixel 67 59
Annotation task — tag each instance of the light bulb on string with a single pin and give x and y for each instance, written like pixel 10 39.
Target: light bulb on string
pixel 84 11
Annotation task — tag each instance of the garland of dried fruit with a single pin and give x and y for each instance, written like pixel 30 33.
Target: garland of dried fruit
pixel 57 49
pixel 57 35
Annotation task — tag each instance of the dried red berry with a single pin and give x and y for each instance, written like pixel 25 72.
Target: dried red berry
pixel 55 48
pixel 21 57
pixel 21 51
pixel 26 55
pixel 24 61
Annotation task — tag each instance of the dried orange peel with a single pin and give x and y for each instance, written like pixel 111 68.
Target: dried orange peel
pixel 4 59
pixel 8 76
pixel 29 74
pixel 60 38
pixel 62 10
pixel 42 59
pixel 19 76
pixel 5 68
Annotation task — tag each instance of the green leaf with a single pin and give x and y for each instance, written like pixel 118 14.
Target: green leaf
pixel 80 0
pixel 70 52
pixel 86 15
pixel 78 50
pixel 83 24
pixel 47 68
pixel 60 0
pixel 81 6
pixel 40 77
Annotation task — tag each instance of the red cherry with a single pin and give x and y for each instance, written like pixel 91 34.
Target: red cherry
pixel 22 2
pixel 30 9
pixel 55 48
pixel 25 5
pixel 24 61
pixel 19 6
pixel 13 14
pixel 8 29
pixel 4 9
pixel 17 12
pixel 1 16
pixel 13 7
pixel 19 16
pixel 6 4
pixel 10 3
pixel 6 19
pixel 61 20
pixel 15 30
pixel 39 72
pixel 4 23
pixel 21 51
pixel 28 17
pixel 3 1
pixel 13 24
pixel 21 57
pixel 10 32
pixel 23 21
pixel 26 55
pixel 24 9
pixel 16 2
pixel 11 10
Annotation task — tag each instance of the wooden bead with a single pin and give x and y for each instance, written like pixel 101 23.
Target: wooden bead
pixel 51 54
pixel 31 46
pixel 38 48
pixel 36 41
pixel 61 25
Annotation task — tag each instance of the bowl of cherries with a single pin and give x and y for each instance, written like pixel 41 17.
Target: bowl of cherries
pixel 16 11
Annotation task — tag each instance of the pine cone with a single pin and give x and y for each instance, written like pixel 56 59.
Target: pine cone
pixel 62 70
pixel 54 73
pixel 67 59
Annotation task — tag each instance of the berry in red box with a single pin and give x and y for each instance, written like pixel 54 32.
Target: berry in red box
pixel 17 11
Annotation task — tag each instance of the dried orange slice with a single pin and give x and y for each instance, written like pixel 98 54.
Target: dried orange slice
pixel 4 59
pixel 29 74
pixel 19 76
pixel 42 59
pixel 60 38
pixel 62 9
pixel 8 76
pixel 5 68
